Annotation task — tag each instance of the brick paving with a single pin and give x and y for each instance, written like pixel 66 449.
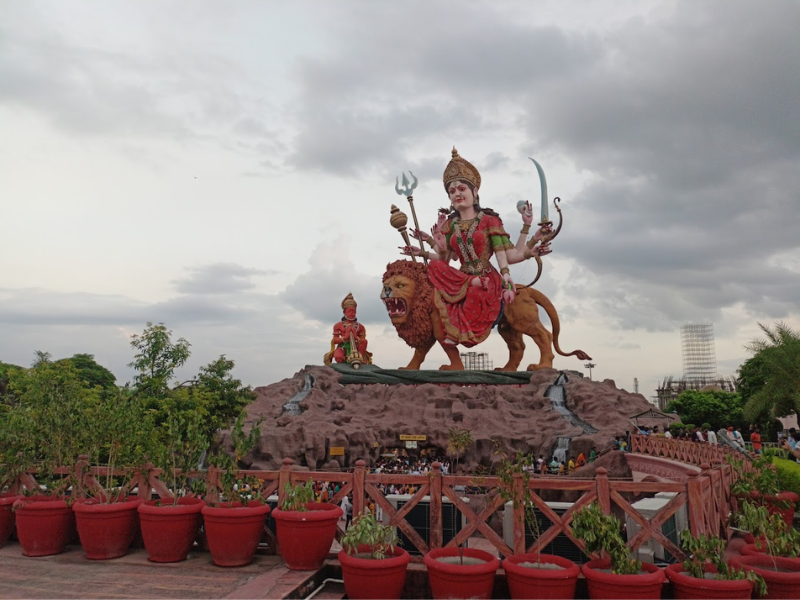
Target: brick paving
pixel 72 575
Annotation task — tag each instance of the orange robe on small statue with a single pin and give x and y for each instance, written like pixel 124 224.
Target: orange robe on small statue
pixel 345 332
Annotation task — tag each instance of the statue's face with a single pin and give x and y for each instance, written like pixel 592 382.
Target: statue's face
pixel 350 313
pixel 460 195
pixel 398 295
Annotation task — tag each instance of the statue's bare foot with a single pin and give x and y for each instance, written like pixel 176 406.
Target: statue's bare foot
pixel 451 368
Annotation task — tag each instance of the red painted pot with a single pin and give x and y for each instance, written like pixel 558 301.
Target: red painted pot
pixel 461 581
pixel 305 538
pixel 530 582
pixel 780 584
pixel 44 525
pixel 6 516
pixel 106 530
pixel 233 531
pixel 685 586
pixel 608 585
pixel 366 578
pixel 751 549
pixel 169 530
pixel 783 504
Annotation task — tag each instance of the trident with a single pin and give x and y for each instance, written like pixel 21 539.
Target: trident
pixel 406 190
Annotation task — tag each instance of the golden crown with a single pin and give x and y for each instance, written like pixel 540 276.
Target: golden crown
pixel 462 170
pixel 349 301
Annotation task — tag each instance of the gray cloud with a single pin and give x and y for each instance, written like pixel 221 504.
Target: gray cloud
pixel 219 278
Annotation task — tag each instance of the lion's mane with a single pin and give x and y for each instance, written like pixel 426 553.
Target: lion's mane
pixel 417 331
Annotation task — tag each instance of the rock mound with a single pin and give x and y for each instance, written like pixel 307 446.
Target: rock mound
pixel 367 420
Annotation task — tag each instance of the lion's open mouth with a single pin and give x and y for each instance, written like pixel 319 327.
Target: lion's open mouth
pixel 396 306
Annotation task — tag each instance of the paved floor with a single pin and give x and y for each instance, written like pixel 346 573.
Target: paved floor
pixel 72 575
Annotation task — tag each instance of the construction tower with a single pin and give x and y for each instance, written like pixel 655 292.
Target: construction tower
pixel 699 355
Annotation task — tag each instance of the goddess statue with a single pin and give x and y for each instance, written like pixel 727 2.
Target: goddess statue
pixel 349 342
pixel 469 300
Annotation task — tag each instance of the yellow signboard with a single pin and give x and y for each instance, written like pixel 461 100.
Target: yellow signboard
pixel 336 451
pixel 405 437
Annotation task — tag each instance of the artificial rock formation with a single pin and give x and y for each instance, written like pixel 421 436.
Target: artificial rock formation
pixel 368 419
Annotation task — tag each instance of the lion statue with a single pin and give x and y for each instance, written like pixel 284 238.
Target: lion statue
pixel 408 297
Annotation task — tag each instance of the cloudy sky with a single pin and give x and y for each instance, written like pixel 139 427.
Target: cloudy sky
pixel 228 169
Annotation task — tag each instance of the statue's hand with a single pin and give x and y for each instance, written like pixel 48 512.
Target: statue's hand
pixel 543 249
pixel 510 291
pixel 420 235
pixel 544 230
pixel 410 251
pixel 527 213
pixel 438 237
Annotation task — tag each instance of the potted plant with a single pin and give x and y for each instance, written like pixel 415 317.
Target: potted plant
pixel 234 525
pixel 531 575
pixel 778 565
pixel 170 525
pixel 305 528
pixel 14 461
pixel 705 574
pixel 760 485
pixel 461 572
pixel 620 575
pixel 373 566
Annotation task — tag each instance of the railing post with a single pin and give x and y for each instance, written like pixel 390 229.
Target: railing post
pixel 519 514
pixel 603 490
pixel 436 505
pixel 694 492
pixel 143 481
pixel 284 477
pixel 358 487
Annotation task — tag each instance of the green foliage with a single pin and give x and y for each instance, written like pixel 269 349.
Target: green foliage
pixel 770 380
pixel 602 532
pixel 708 550
pixel 236 488
pixel 762 478
pixel 715 409
pixel 781 539
pixel 91 373
pixel 508 471
pixel 458 441
pixel 182 442
pixel 788 475
pixel 157 357
pixel 297 496
pixel 366 530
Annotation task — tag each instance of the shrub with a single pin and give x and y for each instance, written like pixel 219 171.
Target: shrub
pixel 788 474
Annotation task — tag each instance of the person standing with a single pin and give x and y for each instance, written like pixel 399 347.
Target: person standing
pixel 755 439
pixel 348 516
pixel 712 437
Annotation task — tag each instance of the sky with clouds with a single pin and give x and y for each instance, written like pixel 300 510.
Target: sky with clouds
pixel 228 169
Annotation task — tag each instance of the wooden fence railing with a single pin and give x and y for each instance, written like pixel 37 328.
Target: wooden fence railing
pixel 706 496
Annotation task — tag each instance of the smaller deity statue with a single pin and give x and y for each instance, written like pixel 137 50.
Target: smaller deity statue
pixel 349 342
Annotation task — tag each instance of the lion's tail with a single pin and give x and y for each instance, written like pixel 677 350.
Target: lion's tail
pixel 548 307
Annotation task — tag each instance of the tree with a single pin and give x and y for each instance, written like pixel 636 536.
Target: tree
pixel 715 407
pixel 458 440
pixel 91 373
pixel 772 376
pixel 156 359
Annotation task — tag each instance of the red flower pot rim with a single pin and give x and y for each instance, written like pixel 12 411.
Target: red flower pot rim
pixel 186 505
pixel 251 504
pixel 764 564
pixel 317 511
pixel 570 570
pixel 491 563
pixel 591 570
pixel 40 502
pixel 6 499
pixel 84 505
pixel 397 558
pixel 675 573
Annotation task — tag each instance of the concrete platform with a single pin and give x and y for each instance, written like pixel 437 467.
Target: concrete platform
pixel 72 575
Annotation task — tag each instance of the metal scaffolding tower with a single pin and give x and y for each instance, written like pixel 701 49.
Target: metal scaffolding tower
pixel 699 355
pixel 474 361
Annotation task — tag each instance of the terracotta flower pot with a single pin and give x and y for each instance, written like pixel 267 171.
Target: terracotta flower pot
pixel 366 578
pixel 751 549
pixel 6 516
pixel 685 586
pixel 44 525
pixel 169 531
pixel 461 580
pixel 233 531
pixel 608 585
pixel 532 582
pixel 305 538
pixel 782 575
pixel 106 530
pixel 783 504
